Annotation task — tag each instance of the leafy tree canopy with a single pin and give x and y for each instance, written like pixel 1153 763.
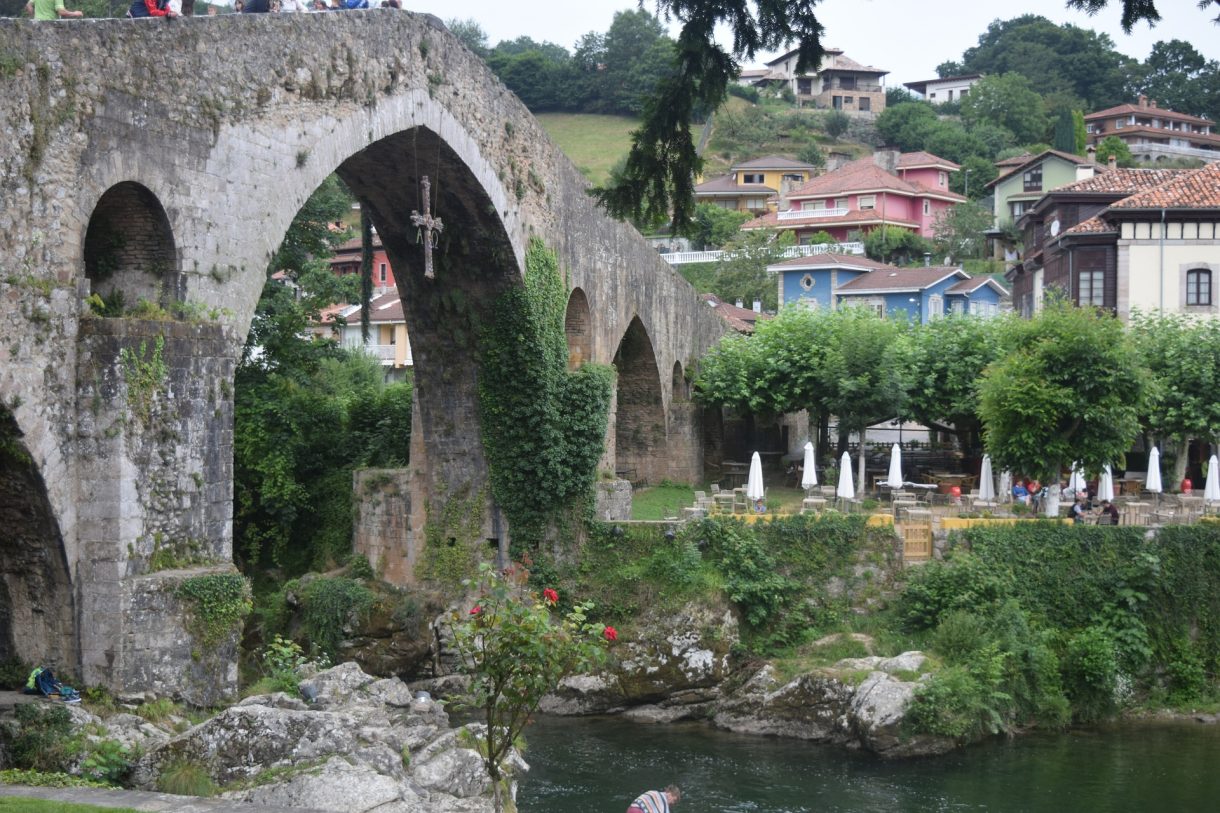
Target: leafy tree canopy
pixel 1115 146
pixel 945 360
pixel 1008 101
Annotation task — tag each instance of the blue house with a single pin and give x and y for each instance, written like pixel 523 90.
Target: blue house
pixel 914 294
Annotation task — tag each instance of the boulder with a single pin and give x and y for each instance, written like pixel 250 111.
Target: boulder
pixel 457 771
pixel 334 686
pixel 335 785
pixel 877 712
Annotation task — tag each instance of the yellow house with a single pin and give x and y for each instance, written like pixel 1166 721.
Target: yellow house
pixel 754 186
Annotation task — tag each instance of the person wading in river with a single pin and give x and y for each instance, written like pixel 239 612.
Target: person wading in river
pixel 656 801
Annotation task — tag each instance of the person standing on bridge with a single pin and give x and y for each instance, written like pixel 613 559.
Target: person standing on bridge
pixel 50 10
pixel 150 8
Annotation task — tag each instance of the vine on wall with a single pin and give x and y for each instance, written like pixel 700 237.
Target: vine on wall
pixel 543 426
pixel 145 372
pixel 218 604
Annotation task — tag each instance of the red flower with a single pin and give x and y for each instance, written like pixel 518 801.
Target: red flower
pixel 611 633
pixel 476 609
pixel 550 595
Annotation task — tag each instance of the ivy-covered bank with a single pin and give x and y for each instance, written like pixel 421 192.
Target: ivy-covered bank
pixel 544 426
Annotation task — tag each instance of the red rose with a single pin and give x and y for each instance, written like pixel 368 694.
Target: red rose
pixel 611 633
pixel 476 609
pixel 550 595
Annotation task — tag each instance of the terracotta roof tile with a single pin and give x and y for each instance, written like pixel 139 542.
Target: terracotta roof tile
pixel 773 162
pixel 1161 134
pixel 726 185
pixel 740 319
pixel 829 259
pixel 861 175
pixel 897 279
pixel 1158 112
pixel 1193 189
pixel 1122 181
pixel 1094 225
pixel 924 159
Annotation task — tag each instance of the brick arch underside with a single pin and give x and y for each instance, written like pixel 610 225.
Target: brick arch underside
pixel 578 328
pixel 129 247
pixel 641 447
pixel 474 262
pixel 37 615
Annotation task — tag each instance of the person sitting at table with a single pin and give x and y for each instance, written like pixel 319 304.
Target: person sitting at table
pixel 1109 513
pixel 1080 508
pixel 1020 493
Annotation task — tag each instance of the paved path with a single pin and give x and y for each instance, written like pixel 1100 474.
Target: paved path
pixel 140 800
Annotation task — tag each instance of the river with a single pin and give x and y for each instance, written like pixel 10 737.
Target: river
pixel 598 765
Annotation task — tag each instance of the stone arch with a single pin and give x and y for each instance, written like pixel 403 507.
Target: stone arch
pixel 37 609
pixel 639 432
pixel 129 247
pixel 679 389
pixel 578 328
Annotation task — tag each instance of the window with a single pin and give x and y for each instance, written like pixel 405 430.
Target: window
pixel 1092 288
pixel 866 104
pixel 927 207
pixel 936 306
pixel 849 100
pixel 958 306
pixel 962 93
pixel 794 177
pixel 931 95
pixel 1033 179
pixel 1088 128
pixel 1199 286
pixel 807 282
pixel 752 178
pixel 867 201
pixel 381 273
pixel 942 178
pixel 950 94
pixel 847 82
pixel 1017 208
pixel 1119 124
pixel 840 203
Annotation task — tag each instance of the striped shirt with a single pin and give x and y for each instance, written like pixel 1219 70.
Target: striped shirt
pixel 653 801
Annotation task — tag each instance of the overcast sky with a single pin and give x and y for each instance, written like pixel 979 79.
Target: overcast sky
pixel 906 37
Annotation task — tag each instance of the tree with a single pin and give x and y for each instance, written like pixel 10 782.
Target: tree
pixel 906 126
pixel 1080 133
pixel 812 154
pixel 1008 101
pixel 982 171
pixel 1070 388
pixel 715 226
pixel 637 54
pixel 1180 78
pixel 470 34
pixel 958 231
pixel 1065 132
pixel 516 651
pixel 1115 146
pixel 1183 356
pixel 742 272
pixel 895 244
pixel 836 123
pixel 945 360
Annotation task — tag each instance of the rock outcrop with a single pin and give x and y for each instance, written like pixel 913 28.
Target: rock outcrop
pixel 356 744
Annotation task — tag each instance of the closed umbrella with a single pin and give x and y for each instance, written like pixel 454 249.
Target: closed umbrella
pixel 894 480
pixel 1105 486
pixel 754 485
pixel 845 489
pixel 986 481
pixel 1154 475
pixel 1211 490
pixel 809 478
pixel 1076 482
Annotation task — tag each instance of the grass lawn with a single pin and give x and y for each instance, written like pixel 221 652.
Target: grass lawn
pixel 20 804
pixel 668 500
pixel 593 142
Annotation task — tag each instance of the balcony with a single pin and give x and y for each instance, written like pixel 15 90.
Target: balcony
pixel 683 257
pixel 804 214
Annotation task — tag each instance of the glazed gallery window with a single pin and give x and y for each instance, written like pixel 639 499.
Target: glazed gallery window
pixel 1092 288
pixel 1033 179
pixel 1199 286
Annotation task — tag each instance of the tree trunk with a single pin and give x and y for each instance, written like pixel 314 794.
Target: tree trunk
pixel 1050 500
pixel 1179 465
pixel 860 465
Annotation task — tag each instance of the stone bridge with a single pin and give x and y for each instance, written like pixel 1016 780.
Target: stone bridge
pixel 165 160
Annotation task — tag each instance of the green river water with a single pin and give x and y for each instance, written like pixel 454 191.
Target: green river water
pixel 598 765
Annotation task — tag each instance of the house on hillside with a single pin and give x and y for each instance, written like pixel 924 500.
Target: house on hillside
pixel 347 257
pixel 1153 133
pixel 945 89
pixel 738 317
pixel 914 294
pixel 1023 180
pixel 908 191
pixel 1125 239
pixel 753 186
pixel 388 341
pixel 839 83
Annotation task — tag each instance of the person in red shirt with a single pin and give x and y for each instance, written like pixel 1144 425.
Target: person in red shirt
pixel 150 8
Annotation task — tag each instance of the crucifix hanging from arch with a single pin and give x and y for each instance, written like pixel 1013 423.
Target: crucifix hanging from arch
pixel 429 228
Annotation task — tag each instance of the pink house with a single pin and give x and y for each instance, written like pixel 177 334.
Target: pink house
pixel 865 194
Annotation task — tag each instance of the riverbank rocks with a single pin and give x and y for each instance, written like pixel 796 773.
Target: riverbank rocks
pixel 670 667
pixel 356 744
pixel 857 703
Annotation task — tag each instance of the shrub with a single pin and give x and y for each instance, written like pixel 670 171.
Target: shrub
pixel 328 606
pixel 961 583
pixel 14 672
pixel 836 123
pixel 185 778
pixel 750 94
pixel 157 710
pixel 962 702
pixel 108 761
pixel 1090 667
pixel 960 634
pixel 43 740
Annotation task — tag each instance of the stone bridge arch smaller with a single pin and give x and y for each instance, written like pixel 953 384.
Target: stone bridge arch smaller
pixel 578 327
pixel 640 438
pixel 129 247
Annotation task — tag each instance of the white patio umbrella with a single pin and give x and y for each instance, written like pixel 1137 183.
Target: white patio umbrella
pixel 1153 483
pixel 894 480
pixel 986 481
pixel 1105 486
pixel 809 477
pixel 1006 485
pixel 754 485
pixel 1211 490
pixel 1076 482
pixel 845 489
